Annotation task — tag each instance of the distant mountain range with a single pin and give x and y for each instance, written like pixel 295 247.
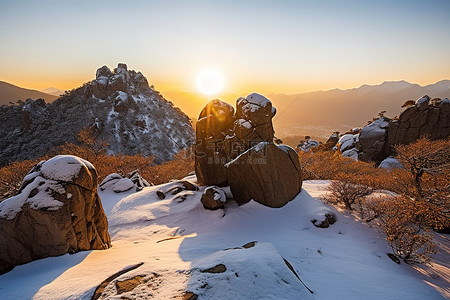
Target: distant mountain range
pixel 11 93
pixel 53 91
pixel 320 113
pixel 314 113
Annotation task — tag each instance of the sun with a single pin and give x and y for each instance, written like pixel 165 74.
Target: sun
pixel 209 82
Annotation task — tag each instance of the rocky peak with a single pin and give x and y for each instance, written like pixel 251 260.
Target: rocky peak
pixel 107 83
pixel 130 115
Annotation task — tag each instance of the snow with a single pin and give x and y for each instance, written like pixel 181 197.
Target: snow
pixel 64 167
pixel 254 102
pixel 390 163
pixel 102 80
pixel 345 138
pixel 258 147
pixel 244 123
pixel 286 148
pixel 348 141
pixel 179 240
pixel 352 153
pixel 43 183
pixel 258 99
pixel 376 128
pixel 122 96
pixel 257 269
pixel 123 185
pixel 10 207
pixel 219 195
pixel 424 99
pixel 306 145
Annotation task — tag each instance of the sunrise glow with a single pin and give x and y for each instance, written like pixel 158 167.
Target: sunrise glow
pixel 209 82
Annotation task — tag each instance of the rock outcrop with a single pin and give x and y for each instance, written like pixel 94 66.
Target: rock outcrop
pixel 252 125
pixel 57 211
pixel 425 117
pixel 376 141
pixel 127 113
pixel 372 140
pixel 267 173
pixel 347 144
pixel 307 144
pixel 215 122
pixel 238 149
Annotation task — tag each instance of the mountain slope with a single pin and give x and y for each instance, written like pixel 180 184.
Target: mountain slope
pixel 319 113
pixel 53 91
pixel 180 245
pixel 11 93
pixel 119 105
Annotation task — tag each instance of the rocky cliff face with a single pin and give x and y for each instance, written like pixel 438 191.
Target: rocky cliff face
pixel 57 211
pixel 376 141
pixel 128 113
pixel 426 117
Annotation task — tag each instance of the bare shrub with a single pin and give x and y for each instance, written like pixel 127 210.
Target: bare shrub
pixel 11 177
pixel 404 222
pixel 329 164
pixel 346 191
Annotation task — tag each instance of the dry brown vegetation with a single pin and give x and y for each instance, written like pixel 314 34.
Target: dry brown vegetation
pixel 418 204
pixel 94 151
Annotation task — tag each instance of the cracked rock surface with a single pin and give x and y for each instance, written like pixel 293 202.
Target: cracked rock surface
pixel 57 211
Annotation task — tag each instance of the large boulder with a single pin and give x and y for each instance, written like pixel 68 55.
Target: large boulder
pixel 266 173
pixel 214 123
pixel 372 140
pixel 57 211
pixel 425 117
pixel 253 124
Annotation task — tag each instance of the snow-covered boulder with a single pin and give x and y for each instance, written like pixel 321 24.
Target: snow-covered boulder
pixel 390 163
pixel 351 153
pixel 266 173
pixel 306 145
pixel 254 271
pixel 348 141
pixel 56 211
pixel 214 123
pixel 120 184
pixel 255 108
pixel 253 124
pixel 213 198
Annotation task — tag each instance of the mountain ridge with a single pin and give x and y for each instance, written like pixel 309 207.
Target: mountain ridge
pixel 11 93
pixel 322 112
pixel 121 107
pixel 53 91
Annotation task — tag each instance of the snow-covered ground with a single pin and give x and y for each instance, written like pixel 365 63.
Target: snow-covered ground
pixel 178 241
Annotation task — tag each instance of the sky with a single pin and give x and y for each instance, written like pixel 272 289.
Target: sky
pixel 265 46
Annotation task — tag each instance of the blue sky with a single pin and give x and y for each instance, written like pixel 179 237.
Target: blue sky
pixel 273 46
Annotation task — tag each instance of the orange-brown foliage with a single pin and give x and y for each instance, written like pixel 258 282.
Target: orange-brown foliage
pixel 330 164
pixel 11 177
pixel 422 192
